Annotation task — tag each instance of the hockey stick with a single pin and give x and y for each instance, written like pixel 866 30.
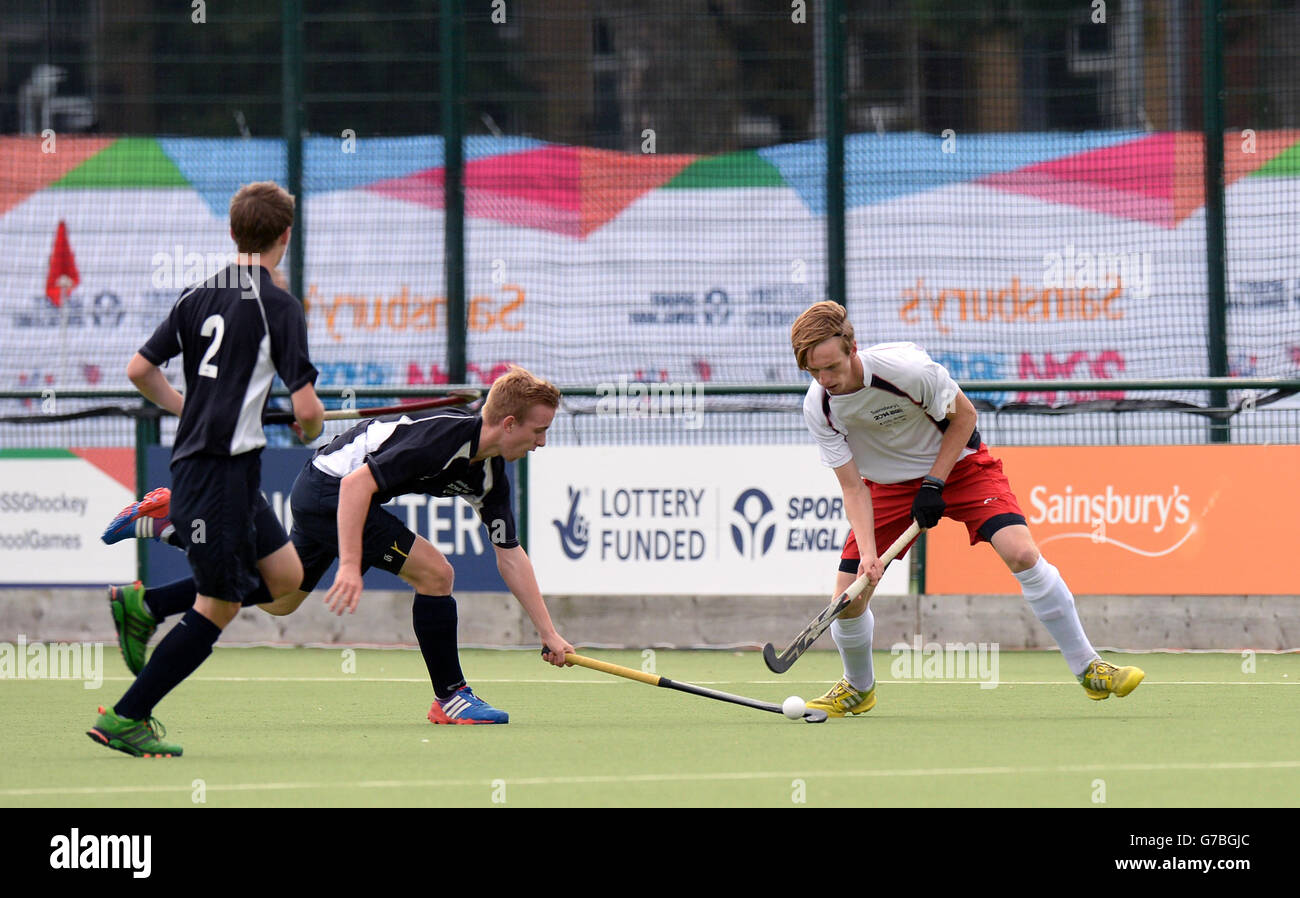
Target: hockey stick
pixel 801 643
pixel 457 397
pixel 813 715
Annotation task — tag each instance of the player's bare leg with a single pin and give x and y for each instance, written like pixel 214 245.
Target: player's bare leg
pixel 1053 604
pixel 852 631
pixel 138 610
pixel 1015 546
pixel 284 604
pixel 427 569
pixel 859 605
pixel 219 611
pixel 281 571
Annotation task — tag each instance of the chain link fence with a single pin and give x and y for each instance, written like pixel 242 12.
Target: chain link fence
pixel 652 191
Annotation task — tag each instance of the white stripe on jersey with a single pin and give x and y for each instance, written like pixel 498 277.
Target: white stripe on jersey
pixel 248 433
pixel 180 341
pixel 352 455
pixel 462 452
pixel 476 502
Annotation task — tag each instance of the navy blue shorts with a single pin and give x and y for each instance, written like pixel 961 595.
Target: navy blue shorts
pixel 214 501
pixel 385 541
pixel 270 532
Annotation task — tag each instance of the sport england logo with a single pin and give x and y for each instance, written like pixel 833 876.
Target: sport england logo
pixel 746 504
pixel 710 309
pixel 574 531
pixel 105 310
pixel 717 307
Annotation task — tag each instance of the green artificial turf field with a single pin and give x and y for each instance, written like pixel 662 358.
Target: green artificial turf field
pixel 289 727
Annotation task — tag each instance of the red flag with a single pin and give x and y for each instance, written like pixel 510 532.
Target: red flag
pixel 63 277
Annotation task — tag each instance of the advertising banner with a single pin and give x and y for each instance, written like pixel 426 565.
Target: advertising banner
pixel 679 520
pixel 1140 520
pixel 1023 256
pixel 54 504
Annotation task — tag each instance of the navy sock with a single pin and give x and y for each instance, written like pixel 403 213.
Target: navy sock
pixel 164 601
pixel 173 598
pixel 177 656
pixel 434 618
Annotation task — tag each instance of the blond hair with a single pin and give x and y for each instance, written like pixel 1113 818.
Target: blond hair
pixel 818 323
pixel 515 392
pixel 259 214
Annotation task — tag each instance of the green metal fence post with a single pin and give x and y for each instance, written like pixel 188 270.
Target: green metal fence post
pixel 453 133
pixel 836 286
pixel 1215 243
pixel 293 126
pixel 147 433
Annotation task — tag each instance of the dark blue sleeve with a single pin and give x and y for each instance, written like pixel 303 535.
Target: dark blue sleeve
pixel 289 343
pixel 165 342
pixel 404 456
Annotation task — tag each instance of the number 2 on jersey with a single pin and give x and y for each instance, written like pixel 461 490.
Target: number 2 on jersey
pixel 213 324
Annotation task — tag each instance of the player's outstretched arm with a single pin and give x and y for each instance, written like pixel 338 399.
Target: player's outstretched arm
pixel 857 508
pixel 355 493
pixel 152 384
pixel 309 412
pixel 517 570
pixel 961 424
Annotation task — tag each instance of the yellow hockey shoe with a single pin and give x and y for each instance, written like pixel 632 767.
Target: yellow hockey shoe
pixel 844 699
pixel 1101 680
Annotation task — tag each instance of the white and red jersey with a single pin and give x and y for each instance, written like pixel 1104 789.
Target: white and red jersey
pixel 891 428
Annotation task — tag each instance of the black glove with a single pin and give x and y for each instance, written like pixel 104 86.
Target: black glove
pixel 928 505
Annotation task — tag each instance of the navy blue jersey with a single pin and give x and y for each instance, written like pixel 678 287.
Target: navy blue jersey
pixel 431 456
pixel 233 342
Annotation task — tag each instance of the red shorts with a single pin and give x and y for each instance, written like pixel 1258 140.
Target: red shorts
pixel 975 493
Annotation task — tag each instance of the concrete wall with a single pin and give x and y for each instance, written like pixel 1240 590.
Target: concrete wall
pixel 1226 623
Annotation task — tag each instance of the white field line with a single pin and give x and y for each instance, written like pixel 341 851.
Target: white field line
pixel 609 681
pixel 619 779
pixel 723 648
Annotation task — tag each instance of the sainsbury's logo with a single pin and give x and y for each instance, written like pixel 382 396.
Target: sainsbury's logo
pixel 1015 303
pixel 1167 515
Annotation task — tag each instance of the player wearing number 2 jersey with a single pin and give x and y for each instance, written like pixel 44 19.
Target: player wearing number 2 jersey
pixel 901 438
pixel 234 332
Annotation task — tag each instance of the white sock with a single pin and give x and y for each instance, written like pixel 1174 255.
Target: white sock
pixel 1050 600
pixel 853 638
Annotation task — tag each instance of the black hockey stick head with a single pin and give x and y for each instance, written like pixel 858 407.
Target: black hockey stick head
pixel 819 625
pixel 777 663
